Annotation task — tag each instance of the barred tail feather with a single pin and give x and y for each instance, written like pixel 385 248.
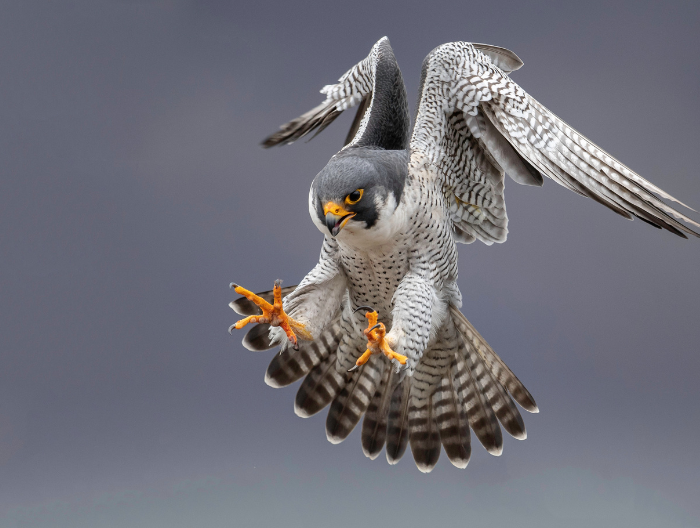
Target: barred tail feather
pixel 495 395
pixel 423 433
pixel 452 422
pixel 257 339
pixel 498 368
pixel 291 365
pixel 506 412
pixel 480 415
pixel 375 422
pixel 352 402
pixel 320 387
pixel 426 380
pixel 397 423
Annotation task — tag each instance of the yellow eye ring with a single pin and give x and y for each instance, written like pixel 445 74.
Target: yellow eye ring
pixel 356 196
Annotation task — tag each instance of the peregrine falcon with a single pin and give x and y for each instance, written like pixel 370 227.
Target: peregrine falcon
pixel 375 328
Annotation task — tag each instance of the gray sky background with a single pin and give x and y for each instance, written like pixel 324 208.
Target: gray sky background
pixel 133 190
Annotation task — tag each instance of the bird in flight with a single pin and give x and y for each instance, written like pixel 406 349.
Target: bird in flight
pixel 375 327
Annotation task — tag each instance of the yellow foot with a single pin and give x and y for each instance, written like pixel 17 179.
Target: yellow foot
pixel 376 344
pixel 273 314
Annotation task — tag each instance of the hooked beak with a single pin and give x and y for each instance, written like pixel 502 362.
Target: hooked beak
pixel 336 217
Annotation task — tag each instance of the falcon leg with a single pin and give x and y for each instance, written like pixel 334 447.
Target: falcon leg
pixel 272 314
pixel 376 343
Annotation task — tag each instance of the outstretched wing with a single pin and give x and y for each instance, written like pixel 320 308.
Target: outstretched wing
pixel 382 119
pixel 474 123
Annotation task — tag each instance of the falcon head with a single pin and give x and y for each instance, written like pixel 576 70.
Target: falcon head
pixel 358 192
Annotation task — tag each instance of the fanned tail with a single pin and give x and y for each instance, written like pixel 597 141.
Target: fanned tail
pixel 457 386
pixel 460 384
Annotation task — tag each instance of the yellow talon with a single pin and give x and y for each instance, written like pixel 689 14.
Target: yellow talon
pixel 272 314
pixel 376 344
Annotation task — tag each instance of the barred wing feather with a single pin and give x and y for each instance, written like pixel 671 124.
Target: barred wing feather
pixel 474 123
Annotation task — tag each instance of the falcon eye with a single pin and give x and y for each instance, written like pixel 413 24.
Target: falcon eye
pixel 354 196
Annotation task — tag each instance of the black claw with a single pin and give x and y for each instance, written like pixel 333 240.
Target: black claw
pixel 375 326
pixel 353 368
pixel 233 285
pixel 368 308
pixel 295 344
pixel 230 328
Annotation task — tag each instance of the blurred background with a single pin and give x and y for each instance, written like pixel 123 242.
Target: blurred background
pixel 133 190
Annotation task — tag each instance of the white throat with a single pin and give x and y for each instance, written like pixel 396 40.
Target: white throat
pixel 391 220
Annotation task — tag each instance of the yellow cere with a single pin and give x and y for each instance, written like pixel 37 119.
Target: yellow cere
pixel 332 207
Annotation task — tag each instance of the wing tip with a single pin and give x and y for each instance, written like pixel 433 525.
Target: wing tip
pixel 502 58
pixel 269 142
